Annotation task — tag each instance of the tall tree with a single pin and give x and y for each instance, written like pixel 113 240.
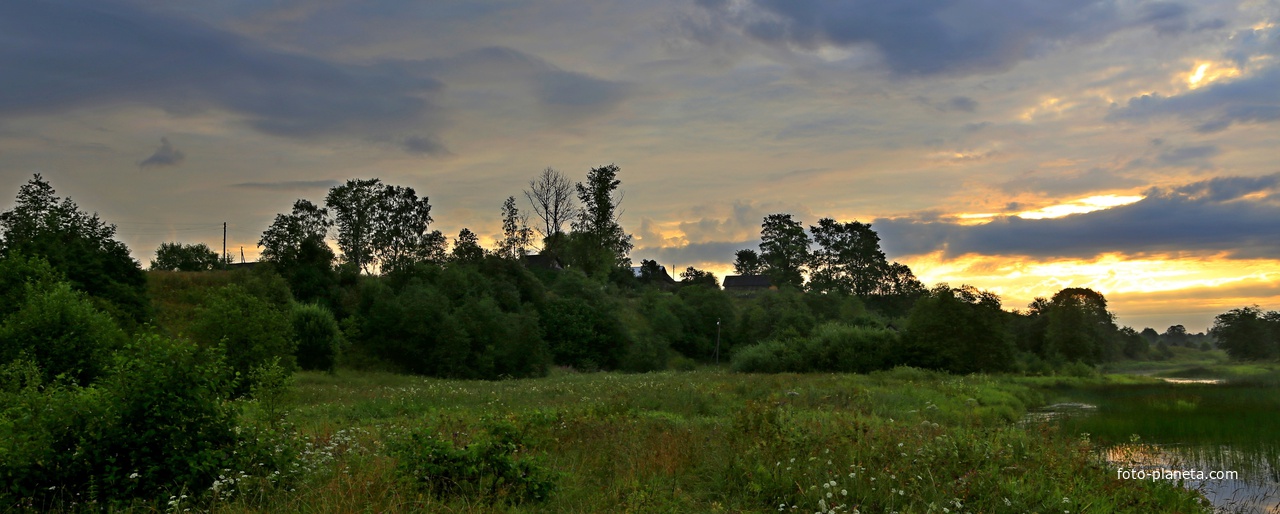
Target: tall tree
pixel 77 244
pixel 848 258
pixel 402 229
pixel 180 257
pixel 297 244
pixel 692 275
pixel 354 207
pixel 784 249
pixel 466 248
pixel 516 235
pixel 747 262
pixel 960 330
pixel 284 240
pixel 383 226
pixel 1080 327
pixel 551 194
pixel 1248 333
pixel 598 218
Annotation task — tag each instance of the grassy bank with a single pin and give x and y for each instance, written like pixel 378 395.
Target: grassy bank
pixel 706 441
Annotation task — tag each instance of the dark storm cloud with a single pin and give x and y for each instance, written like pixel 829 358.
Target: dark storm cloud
pixel 1253 99
pixel 164 156
pixel 288 185
pixel 928 37
pixel 1182 155
pixel 556 90
pixel 1239 216
pixel 58 56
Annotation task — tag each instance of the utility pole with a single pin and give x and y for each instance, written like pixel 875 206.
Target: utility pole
pixel 224 245
pixel 717 341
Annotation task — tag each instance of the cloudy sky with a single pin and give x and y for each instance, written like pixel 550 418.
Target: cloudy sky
pixel 1020 146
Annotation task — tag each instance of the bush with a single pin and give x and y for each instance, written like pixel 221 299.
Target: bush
pixel 62 332
pixel 251 331
pixel 20 275
pixel 157 423
pixel 494 468
pixel 318 338
pixel 832 347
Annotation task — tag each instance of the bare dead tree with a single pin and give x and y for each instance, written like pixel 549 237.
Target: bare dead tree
pixel 551 194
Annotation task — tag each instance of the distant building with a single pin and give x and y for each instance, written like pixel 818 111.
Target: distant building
pixel 242 265
pixel 542 261
pixel 748 283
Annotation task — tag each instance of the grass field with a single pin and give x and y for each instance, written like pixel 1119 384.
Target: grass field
pixel 703 441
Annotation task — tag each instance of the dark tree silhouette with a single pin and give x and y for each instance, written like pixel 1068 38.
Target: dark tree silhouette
pixel 551 194
pixel 784 248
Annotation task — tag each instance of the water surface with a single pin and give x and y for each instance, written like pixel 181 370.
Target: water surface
pixel 1188 428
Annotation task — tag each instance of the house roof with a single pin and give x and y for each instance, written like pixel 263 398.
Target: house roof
pixel 761 281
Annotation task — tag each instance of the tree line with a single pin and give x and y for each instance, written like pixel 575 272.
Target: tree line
pixel 403 297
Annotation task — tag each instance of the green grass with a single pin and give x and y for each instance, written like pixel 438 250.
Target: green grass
pixel 1182 358
pixel 705 441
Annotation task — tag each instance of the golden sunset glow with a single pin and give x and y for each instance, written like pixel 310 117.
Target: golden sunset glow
pixel 1079 206
pixel 1207 73
pixel 1019 280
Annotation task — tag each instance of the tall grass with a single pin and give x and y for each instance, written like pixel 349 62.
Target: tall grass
pixel 904 440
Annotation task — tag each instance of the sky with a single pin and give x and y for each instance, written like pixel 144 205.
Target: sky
pixel 1019 146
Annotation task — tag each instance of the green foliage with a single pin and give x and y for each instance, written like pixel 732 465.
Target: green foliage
pixel 158 422
pixel 848 259
pixel 466 248
pixel 494 468
pixel 784 250
pixel 382 226
pixel 778 314
pixel 598 219
pixel 516 234
pixel 295 246
pixel 581 324
pixel 251 330
pixel 79 245
pixel 1248 333
pixel 286 240
pixel 456 322
pixel 19 276
pixel 960 330
pixel 1080 327
pixel 181 257
pixel 833 347
pixel 697 277
pixel 61 331
pixel 747 262
pixel 318 337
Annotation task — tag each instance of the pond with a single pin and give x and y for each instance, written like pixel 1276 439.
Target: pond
pixel 1219 438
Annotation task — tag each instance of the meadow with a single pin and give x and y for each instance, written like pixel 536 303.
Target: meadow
pixel 904 440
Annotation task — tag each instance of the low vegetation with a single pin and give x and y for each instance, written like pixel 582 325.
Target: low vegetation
pixel 473 382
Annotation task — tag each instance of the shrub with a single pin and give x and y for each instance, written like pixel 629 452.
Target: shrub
pixel 18 276
pixel 832 347
pixel 62 332
pixel 494 468
pixel 317 335
pixel 157 423
pixel 250 330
